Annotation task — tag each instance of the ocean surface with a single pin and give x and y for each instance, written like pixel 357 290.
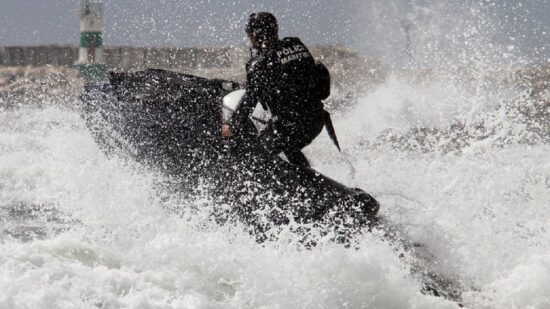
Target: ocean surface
pixel 454 164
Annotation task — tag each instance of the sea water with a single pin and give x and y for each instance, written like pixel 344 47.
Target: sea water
pixel 455 167
pixel 80 229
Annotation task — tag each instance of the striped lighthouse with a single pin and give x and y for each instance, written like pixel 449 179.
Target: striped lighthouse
pixel 91 63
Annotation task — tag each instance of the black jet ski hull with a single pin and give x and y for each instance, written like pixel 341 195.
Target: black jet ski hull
pixel 171 121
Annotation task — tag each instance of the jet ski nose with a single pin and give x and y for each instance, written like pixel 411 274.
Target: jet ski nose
pixel 355 209
pixel 368 204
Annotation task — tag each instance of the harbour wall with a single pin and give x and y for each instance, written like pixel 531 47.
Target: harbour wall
pixel 120 58
pixel 136 58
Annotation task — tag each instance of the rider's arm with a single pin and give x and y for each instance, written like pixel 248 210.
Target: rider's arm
pixel 241 116
pixel 257 87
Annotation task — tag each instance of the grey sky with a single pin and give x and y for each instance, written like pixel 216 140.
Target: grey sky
pixel 372 26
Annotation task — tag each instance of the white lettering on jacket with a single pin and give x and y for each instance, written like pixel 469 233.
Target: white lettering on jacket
pixel 291 50
pixel 295 57
pixel 292 53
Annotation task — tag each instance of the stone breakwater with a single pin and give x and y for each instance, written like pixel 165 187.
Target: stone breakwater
pixel 225 62
pixel 31 74
pixel 122 58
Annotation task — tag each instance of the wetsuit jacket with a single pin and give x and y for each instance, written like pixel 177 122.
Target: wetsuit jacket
pixel 281 77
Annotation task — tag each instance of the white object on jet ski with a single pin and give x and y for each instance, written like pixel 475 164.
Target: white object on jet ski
pixel 232 102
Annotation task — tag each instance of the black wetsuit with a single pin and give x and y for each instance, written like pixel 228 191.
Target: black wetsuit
pixel 282 78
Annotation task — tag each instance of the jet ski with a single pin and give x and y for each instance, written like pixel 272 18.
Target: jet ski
pixel 171 122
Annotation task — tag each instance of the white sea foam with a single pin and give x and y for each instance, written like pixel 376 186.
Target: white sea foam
pixel 124 249
pixel 481 215
pixel 481 210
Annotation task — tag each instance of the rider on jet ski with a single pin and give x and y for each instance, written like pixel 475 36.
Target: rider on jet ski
pixel 284 78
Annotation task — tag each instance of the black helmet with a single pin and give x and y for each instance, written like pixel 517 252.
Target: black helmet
pixel 261 26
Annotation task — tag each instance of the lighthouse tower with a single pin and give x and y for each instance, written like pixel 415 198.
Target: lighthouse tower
pixel 91 63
